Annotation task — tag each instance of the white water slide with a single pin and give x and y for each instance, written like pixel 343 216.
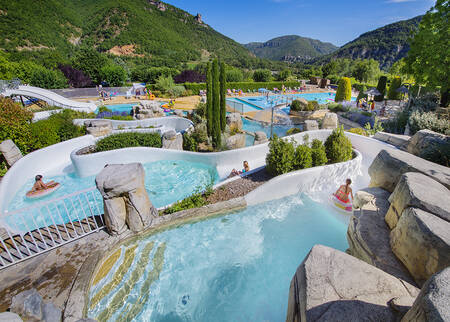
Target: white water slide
pixel 49 97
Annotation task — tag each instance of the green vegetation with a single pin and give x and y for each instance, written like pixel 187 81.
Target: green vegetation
pixel 262 75
pixel 190 143
pixel 338 147
pixel 428 121
pixel 293 130
pixel 381 87
pixel 127 140
pixel 396 83
pixel 114 75
pixel 281 156
pixel 244 86
pixel 318 153
pixel 223 97
pixel 196 200
pixel 302 157
pixel 357 130
pixel 209 100
pixel 216 130
pixel 344 91
pixel 377 127
pixel 234 75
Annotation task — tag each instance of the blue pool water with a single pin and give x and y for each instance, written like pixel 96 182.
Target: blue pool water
pixel 236 267
pixel 254 126
pixel 165 181
pixel 120 107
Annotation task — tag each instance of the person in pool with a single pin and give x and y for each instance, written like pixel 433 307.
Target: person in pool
pixel 344 191
pixel 39 184
pixel 234 172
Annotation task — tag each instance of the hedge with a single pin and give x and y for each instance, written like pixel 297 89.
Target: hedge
pixel 126 140
pixel 244 86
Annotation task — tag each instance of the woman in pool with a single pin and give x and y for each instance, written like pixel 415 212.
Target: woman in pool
pixel 234 172
pixel 342 199
pixel 40 185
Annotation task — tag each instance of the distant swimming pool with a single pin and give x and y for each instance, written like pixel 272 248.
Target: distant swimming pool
pixel 254 126
pixel 120 107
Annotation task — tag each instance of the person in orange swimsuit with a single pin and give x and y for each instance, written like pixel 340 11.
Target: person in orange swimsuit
pixel 342 196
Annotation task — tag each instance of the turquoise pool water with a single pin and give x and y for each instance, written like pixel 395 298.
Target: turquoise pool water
pixel 166 182
pixel 236 267
pixel 120 107
pixel 254 126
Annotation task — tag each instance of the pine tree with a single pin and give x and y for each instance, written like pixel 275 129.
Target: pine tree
pixel 381 87
pixel 223 93
pixel 209 100
pixel 344 91
pixel 216 133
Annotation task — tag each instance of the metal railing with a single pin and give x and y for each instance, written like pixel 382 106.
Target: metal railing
pixel 34 230
pixel 236 106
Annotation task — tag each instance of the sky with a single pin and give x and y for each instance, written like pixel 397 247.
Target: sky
pixel 335 21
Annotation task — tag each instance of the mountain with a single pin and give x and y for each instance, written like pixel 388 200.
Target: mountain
pixel 386 44
pixel 137 30
pixel 291 48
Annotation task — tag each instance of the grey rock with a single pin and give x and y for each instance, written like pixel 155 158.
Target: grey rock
pixel 362 198
pixel 9 317
pixel 417 190
pixel 330 121
pixel 179 113
pixel 10 152
pixel 123 190
pixel 426 142
pixel 368 236
pixel 333 286
pixel 236 141
pixel 98 123
pixel 422 243
pixel 86 320
pixel 28 305
pixel 50 312
pixel 170 135
pixel 260 138
pixel 400 141
pixel 311 125
pixel 98 128
pixel 389 165
pixel 433 301
pixel 234 121
pixel 174 142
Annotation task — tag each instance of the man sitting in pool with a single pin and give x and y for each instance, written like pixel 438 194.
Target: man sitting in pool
pixel 234 172
pixel 40 185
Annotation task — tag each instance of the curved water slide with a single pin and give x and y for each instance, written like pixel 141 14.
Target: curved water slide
pixel 50 97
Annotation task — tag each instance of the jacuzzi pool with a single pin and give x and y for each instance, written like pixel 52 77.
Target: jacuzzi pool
pixel 236 267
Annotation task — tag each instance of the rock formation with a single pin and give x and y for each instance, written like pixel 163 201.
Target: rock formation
pixel 234 121
pixel 31 307
pixel 10 152
pixel 311 125
pixel 426 143
pixel 236 141
pixel 260 138
pixel 330 121
pixel 172 140
pixel 98 128
pixel 126 202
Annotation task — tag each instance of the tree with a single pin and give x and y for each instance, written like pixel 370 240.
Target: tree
pixel 262 75
pixel 234 75
pixel 46 78
pixel 89 61
pixel 381 87
pixel 216 132
pixel 428 58
pixel 223 97
pixel 189 76
pixel 344 91
pixel 395 84
pixel 15 124
pixel 330 69
pixel 365 70
pixel 209 99
pixel 75 77
pixel 114 75
pixel 284 74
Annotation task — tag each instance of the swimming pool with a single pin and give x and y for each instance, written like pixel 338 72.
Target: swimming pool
pixel 236 267
pixel 120 107
pixel 254 126
pixel 165 181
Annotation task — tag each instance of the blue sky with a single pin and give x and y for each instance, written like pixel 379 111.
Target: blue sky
pixel 335 21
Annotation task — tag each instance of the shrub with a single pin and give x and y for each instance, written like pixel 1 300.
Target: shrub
pixel 313 106
pixel 125 140
pixel 398 123
pixel 297 105
pixel 361 94
pixel 336 107
pixel 46 78
pixel 63 122
pixel 194 201
pixel 75 77
pixel 245 86
pixel 281 156
pixel 357 130
pixel 3 168
pixel 395 84
pixel 114 75
pixel 318 153
pixel 234 75
pixel 44 133
pixel 427 103
pixel 344 91
pixel 262 75
pixel 293 130
pixel 376 127
pixel 302 158
pixel 338 147
pixel 15 124
pixel 428 121
pixel 103 108
pixel 381 87
pixel 189 143
pixel 189 76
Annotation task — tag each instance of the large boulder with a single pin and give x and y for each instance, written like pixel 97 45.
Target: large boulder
pixel 390 164
pixel 9 317
pixel 398 140
pixel 10 152
pixel 236 141
pixel 433 301
pixel 125 198
pixel 178 113
pixel 368 235
pixel 417 190
pixel 311 125
pixel 98 128
pixel 422 243
pixel 260 138
pixel 234 121
pixel 330 121
pixel 172 140
pixel 333 286
pixel 425 143
pixel 28 304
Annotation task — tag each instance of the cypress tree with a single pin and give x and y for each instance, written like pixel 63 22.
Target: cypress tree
pixel 223 93
pixel 381 87
pixel 216 104
pixel 209 100
pixel 344 91
pixel 395 84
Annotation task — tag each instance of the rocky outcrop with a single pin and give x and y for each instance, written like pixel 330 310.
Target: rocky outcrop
pixel 421 241
pixel 333 286
pixel 260 138
pixel 368 235
pixel 10 152
pixel 9 317
pixel 417 190
pixel 330 121
pixel 126 202
pixel 425 143
pixel 236 141
pixel 311 125
pixel 234 121
pixel 389 165
pixel 149 109
pixel 433 301
pixel 31 307
pixel 98 128
pixel 172 140
pixel 397 140
pixel 178 113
